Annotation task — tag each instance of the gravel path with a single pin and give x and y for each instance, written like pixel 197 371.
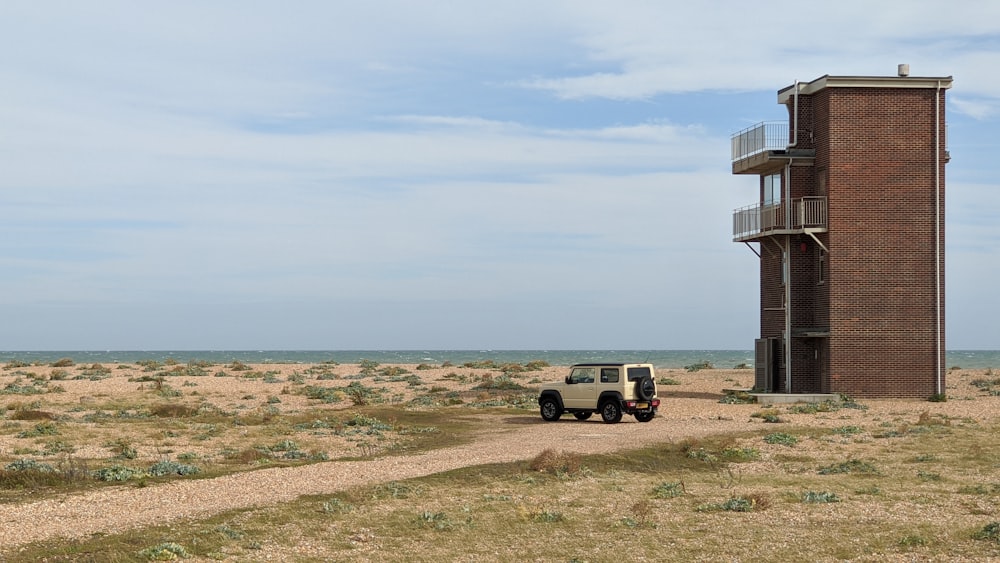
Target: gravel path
pixel 514 438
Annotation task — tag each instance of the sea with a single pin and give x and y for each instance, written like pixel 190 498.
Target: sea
pixel 967 359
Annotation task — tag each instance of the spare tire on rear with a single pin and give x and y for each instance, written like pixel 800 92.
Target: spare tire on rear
pixel 645 389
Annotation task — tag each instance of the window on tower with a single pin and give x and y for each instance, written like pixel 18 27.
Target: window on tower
pixel 772 189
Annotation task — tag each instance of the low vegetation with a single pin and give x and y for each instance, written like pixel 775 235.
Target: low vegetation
pixel 850 483
pixel 561 505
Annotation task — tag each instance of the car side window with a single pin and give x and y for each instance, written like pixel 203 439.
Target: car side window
pixel 582 375
pixel 609 375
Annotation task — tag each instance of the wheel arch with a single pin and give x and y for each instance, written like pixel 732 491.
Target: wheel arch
pixel 609 395
pixel 552 395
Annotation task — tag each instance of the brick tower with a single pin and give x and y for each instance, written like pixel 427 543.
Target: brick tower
pixel 849 227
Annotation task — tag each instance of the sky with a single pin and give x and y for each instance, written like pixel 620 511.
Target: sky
pixel 393 174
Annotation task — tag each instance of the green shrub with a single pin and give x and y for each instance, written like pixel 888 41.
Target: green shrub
pixel 117 473
pixel 58 447
pixel 324 394
pixel 747 503
pixel 499 383
pixel 361 395
pixel 549 516
pixel 284 446
pixel 668 490
pixel 434 520
pixel 813 408
pixel 42 429
pixel 336 506
pixel 847 430
pixel 913 540
pixel 737 398
pixel 164 552
pixel 162 468
pixel 368 366
pixel 780 438
pixel 368 421
pixel 818 497
pixel 989 532
pixel 17 387
pixel 29 465
pixel 481 364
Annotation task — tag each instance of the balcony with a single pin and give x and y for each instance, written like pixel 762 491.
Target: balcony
pixel 804 215
pixel 769 135
pixel 763 148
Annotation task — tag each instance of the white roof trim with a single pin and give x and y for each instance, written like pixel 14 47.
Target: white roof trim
pixel 827 81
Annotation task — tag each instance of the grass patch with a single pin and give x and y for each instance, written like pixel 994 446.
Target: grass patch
pixel 781 439
pixel 854 466
pixel 502 511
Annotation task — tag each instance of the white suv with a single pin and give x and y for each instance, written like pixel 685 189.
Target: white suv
pixel 610 389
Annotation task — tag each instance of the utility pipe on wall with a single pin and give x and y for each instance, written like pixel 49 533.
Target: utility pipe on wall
pixel 786 262
pixel 937 233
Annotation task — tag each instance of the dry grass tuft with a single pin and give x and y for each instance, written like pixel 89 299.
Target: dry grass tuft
pixel 169 410
pixel 31 414
pixel 556 462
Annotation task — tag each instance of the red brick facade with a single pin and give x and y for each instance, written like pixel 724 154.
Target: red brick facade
pixel 867 317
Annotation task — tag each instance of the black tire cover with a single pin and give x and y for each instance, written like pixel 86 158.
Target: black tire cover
pixel 645 388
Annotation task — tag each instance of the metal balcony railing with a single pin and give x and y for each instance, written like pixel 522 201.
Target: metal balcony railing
pixel 762 218
pixel 769 135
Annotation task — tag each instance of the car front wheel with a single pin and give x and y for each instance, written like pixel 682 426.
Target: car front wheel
pixel 611 412
pixel 550 409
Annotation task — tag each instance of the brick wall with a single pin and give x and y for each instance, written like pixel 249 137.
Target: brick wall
pixel 875 155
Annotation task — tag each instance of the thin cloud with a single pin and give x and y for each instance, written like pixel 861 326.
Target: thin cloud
pixel 307 175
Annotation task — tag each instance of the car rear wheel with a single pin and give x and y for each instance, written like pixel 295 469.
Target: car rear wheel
pixel 611 411
pixel 582 415
pixel 645 388
pixel 550 409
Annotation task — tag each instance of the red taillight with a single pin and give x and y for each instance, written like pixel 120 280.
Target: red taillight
pixel 630 404
pixel 656 402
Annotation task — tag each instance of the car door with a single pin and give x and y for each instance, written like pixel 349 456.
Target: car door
pixel 610 380
pixel 580 388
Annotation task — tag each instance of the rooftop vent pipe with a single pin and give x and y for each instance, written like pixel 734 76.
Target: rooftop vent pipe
pixel 903 70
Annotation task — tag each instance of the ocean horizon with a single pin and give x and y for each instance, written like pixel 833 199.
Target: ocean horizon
pixel 967 359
